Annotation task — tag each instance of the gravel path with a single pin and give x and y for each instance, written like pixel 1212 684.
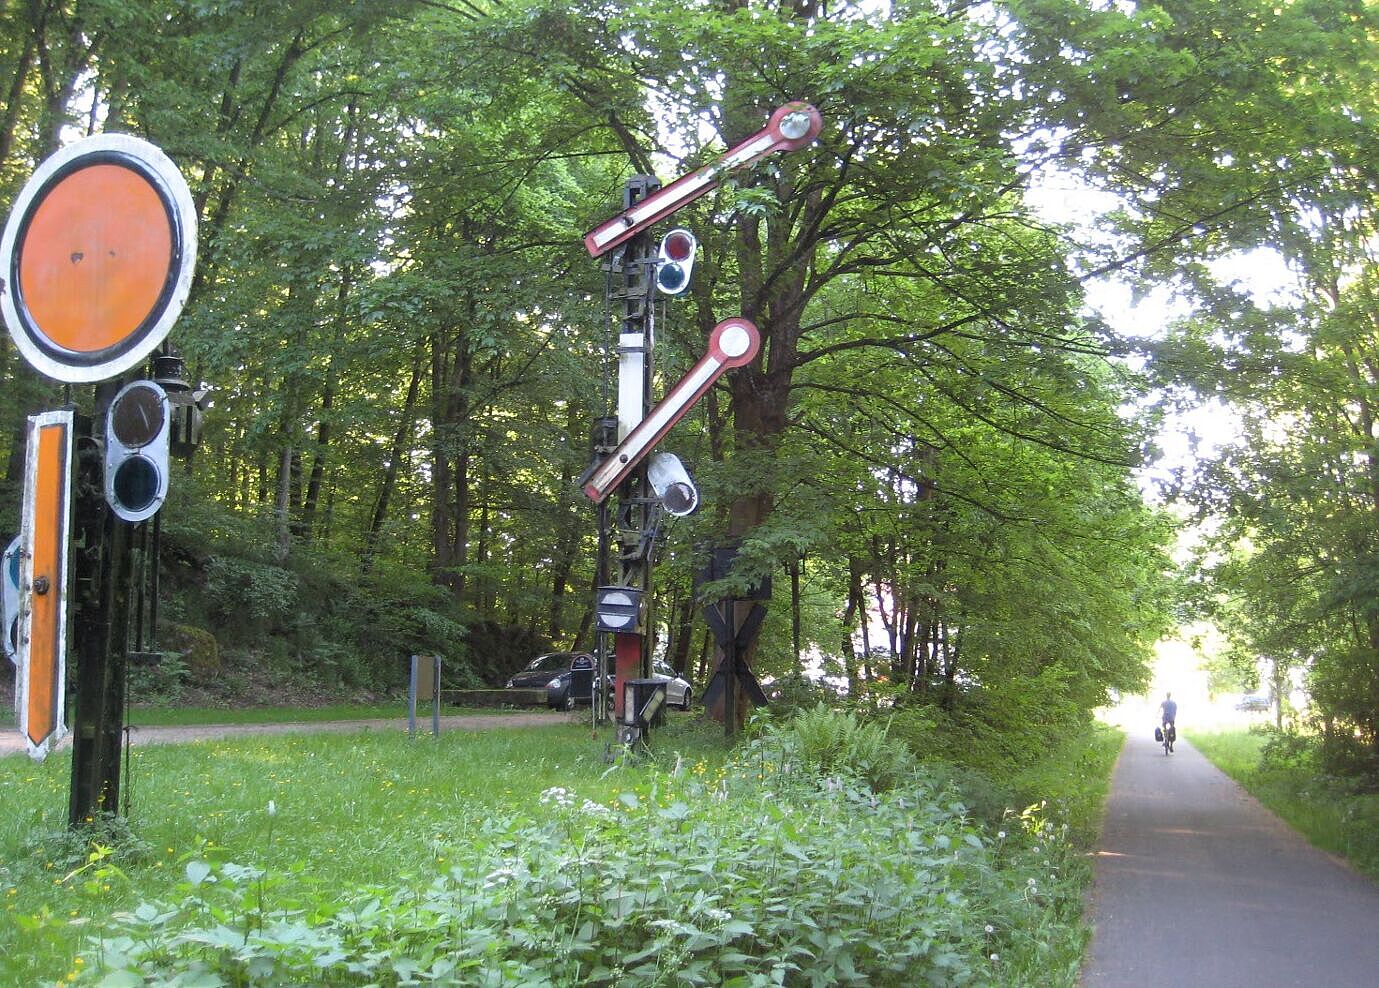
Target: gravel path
pixel 11 743
pixel 1198 884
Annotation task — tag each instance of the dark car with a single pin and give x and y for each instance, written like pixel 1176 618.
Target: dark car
pixel 553 673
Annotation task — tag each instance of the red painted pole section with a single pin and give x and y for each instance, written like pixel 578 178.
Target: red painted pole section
pixel 627 664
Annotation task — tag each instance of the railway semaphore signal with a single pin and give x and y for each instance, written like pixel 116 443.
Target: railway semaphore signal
pixel 651 486
pixel 790 128
pixel 732 343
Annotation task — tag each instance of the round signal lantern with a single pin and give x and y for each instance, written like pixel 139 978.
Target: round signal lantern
pixel 679 245
pixel 136 451
pixel 97 258
pixel 675 261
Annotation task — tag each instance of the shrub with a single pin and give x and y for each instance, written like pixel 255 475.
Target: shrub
pixel 793 692
pixel 160 683
pixel 248 597
pixel 828 742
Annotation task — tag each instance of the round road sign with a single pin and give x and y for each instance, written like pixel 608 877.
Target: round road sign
pixel 97 258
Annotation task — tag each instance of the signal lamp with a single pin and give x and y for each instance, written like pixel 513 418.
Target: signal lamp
pixel 136 451
pixel 676 261
pixel 672 484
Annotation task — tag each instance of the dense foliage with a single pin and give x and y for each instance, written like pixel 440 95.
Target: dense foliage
pixel 1289 560
pixel 407 343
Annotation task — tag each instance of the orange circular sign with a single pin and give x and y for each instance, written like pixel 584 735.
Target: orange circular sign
pixel 90 277
pixel 97 257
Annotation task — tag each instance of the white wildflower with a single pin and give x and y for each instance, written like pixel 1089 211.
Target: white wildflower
pixel 558 795
pixel 500 877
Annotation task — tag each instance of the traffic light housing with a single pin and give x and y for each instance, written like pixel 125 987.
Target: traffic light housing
pixel 676 261
pixel 136 451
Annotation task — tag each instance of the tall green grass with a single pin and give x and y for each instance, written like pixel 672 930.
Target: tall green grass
pixel 1074 775
pixel 346 808
pixel 1324 809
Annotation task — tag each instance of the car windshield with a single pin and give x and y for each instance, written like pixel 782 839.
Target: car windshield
pixel 550 663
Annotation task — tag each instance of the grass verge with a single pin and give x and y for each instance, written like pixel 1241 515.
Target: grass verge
pixel 525 858
pixel 1324 809
pixel 1075 775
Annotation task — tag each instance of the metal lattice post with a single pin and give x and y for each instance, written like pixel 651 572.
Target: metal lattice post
pixel 100 626
pixel 625 533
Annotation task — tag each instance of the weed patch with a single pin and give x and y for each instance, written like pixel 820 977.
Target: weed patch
pixel 526 859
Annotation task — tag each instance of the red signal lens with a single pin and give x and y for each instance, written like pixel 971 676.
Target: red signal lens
pixel 679 246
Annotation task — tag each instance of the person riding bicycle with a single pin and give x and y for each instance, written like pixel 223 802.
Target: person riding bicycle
pixel 1168 712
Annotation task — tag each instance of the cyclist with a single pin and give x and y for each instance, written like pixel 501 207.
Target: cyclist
pixel 1168 712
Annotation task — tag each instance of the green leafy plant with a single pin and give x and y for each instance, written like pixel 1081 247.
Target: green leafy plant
pixel 824 741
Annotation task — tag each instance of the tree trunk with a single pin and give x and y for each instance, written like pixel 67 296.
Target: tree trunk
pixel 395 455
pixel 795 615
pixel 282 510
pixel 13 100
pixel 318 463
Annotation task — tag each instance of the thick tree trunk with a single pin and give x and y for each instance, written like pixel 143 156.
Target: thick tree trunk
pixel 679 653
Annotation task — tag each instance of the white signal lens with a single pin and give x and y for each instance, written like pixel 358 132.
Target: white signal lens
pixel 794 125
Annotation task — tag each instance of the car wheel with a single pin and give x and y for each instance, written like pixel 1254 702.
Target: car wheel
pixel 569 703
pixel 688 696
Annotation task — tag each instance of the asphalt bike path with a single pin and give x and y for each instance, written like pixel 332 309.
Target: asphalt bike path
pixel 1197 884
pixel 11 743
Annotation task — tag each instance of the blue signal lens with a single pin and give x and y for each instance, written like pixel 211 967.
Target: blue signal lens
pixel 670 277
pixel 136 483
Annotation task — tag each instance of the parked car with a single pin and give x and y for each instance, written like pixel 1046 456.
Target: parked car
pixel 678 692
pixel 1254 701
pixel 553 673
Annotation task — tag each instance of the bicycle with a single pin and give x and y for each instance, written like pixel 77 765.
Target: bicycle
pixel 1169 733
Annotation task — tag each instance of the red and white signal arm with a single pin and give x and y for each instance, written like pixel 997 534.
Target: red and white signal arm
pixel 790 128
pixel 733 343
pixel 97 257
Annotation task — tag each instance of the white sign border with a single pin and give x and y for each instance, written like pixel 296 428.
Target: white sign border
pixel 67 418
